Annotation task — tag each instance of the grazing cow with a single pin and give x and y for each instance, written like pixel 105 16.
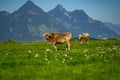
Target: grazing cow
pixel 58 38
pixel 84 37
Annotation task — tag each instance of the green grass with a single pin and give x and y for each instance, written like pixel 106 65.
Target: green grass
pixel 97 60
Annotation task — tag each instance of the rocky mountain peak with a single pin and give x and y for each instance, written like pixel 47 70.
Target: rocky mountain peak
pixel 59 7
pixel 79 13
pixel 60 12
pixel 29 6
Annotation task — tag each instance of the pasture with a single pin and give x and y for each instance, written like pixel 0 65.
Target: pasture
pixel 97 60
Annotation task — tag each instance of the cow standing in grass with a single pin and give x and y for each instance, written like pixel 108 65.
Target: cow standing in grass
pixel 84 37
pixel 58 38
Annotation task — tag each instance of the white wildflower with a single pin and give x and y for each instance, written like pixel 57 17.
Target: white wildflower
pixel 114 48
pixel 109 49
pixel 101 55
pixel 6 54
pixel 47 50
pixel 105 60
pixel 103 52
pixel 85 51
pixel 36 55
pixel 45 55
pixel 57 54
pixel 45 59
pixel 49 62
pixel 98 48
pixel 29 51
pixel 65 55
pixel 56 59
pixel 70 58
pixel 85 54
pixel 63 60
pixel 97 55
pixel 112 54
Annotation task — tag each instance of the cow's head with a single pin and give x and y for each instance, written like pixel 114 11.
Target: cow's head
pixel 47 35
pixel 79 36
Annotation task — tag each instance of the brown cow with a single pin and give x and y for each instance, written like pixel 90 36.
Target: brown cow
pixel 58 38
pixel 84 37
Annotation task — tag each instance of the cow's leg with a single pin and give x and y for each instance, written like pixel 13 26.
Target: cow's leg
pixel 81 41
pixel 68 45
pixel 54 45
pixel 87 41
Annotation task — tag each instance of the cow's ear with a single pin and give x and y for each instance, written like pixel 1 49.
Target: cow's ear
pixel 45 34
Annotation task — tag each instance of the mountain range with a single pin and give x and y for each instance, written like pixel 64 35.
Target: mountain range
pixel 29 22
pixel 114 27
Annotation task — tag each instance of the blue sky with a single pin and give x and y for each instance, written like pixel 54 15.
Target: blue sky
pixel 103 10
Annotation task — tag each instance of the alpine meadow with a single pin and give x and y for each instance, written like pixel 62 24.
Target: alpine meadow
pixel 97 60
pixel 31 40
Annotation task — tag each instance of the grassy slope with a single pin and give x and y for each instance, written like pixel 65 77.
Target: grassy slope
pixel 97 60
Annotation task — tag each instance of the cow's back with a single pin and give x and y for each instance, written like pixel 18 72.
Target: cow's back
pixel 60 37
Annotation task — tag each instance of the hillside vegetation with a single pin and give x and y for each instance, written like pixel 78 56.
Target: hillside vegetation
pixel 97 60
